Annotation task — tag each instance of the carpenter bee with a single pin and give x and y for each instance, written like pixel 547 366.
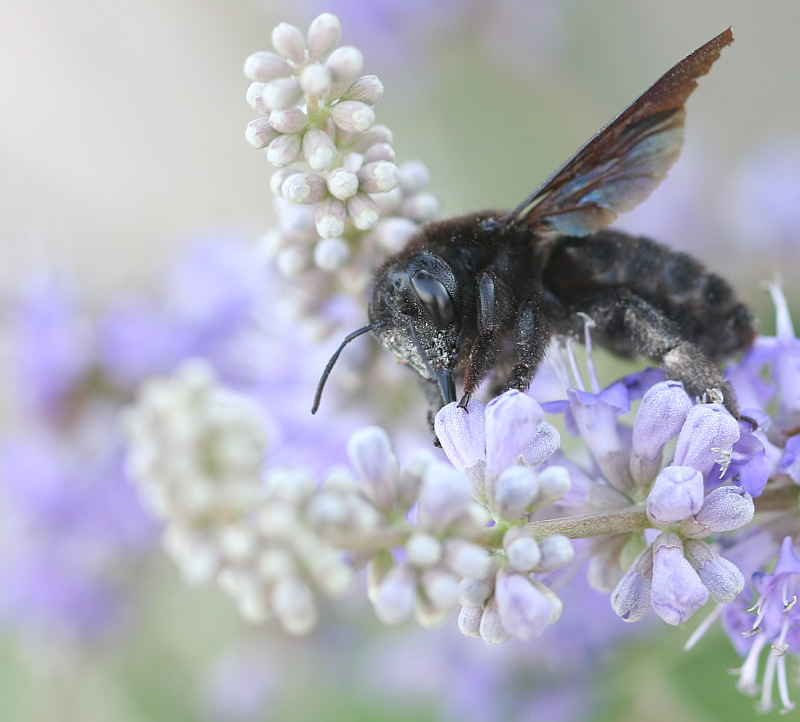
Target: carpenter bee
pixel 484 293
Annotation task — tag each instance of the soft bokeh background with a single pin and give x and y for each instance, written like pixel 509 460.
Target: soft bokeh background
pixel 121 142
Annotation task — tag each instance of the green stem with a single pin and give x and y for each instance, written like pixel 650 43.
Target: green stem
pixel 581 526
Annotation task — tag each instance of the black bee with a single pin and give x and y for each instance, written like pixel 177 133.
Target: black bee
pixel 487 291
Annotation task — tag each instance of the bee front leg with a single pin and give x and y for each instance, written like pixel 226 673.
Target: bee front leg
pixel 531 337
pixel 494 315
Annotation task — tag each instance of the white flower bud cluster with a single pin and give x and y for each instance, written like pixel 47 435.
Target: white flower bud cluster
pixel 337 175
pixel 196 452
pixel 439 552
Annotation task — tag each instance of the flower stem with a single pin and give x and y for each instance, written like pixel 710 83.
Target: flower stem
pixel 614 521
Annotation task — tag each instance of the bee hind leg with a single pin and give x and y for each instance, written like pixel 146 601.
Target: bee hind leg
pixel 627 323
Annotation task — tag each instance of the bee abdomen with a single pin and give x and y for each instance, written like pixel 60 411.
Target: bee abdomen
pixel 702 304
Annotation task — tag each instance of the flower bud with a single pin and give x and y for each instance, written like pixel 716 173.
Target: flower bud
pixel 554 482
pixel 677 591
pixel 525 608
pixel 424 550
pixel 556 553
pixel 281 93
pixel 410 481
pixel 293 261
pixel 378 177
pixel 293 605
pixel 291 120
pixel 264 66
pixel 473 592
pixel 283 150
pixel 414 176
pixel 677 493
pixel 469 621
pixel 462 433
pixel 392 234
pixel 316 80
pixel 380 151
pixel 331 217
pixel 362 211
pixel 444 495
pixel 724 509
pixel 421 207
pixel 330 254
pixel 492 629
pixel 523 553
pixel 255 98
pixel 371 455
pixel 342 183
pixel 514 491
pixel 304 188
pixel 352 116
pixel 659 419
pixel 289 42
pixel 440 588
pixel 259 133
pixel 722 578
pixel 319 150
pixel 511 423
pixel 393 599
pixel 367 89
pixel 346 63
pixel 324 33
pixel 631 597
pixel 709 430
pixel 466 559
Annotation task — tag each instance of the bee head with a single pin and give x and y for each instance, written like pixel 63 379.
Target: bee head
pixel 416 297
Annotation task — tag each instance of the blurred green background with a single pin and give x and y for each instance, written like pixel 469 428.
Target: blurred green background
pixel 121 138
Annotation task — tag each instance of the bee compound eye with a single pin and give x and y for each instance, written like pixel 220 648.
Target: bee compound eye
pixel 434 297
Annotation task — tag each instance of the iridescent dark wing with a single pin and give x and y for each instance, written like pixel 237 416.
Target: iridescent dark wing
pixel 621 165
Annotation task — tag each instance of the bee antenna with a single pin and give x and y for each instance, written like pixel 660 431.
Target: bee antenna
pixel 327 372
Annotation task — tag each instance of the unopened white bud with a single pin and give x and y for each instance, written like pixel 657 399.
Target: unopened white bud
pixel 264 66
pixel 424 550
pixel 367 89
pixel 255 98
pixel 259 133
pixel 331 218
pixel 352 116
pixel 342 183
pixel 346 63
pixel 281 93
pixel 319 150
pixel 330 254
pixel 363 212
pixel 557 551
pixel 289 42
pixel 323 36
pixel 291 120
pixel 304 188
pixel 283 150
pixel 316 80
pixel 378 177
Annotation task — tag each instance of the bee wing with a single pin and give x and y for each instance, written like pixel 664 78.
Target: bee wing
pixel 620 166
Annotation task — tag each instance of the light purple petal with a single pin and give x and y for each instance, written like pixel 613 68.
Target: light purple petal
pixel 512 420
pixel 462 433
pixel 677 590
pixel 709 428
pixel 524 609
